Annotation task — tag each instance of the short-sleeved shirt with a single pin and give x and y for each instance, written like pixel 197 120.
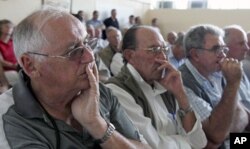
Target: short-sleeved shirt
pixel 27 125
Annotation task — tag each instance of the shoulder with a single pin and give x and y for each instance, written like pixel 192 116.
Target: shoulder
pixel 6 100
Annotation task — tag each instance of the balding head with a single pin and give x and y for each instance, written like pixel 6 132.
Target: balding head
pixel 236 40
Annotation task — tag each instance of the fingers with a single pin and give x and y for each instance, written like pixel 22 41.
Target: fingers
pixel 229 63
pixel 164 65
pixel 231 70
pixel 92 78
pixel 95 71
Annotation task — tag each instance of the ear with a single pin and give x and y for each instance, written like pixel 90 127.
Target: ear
pixel 194 54
pixel 29 66
pixel 128 55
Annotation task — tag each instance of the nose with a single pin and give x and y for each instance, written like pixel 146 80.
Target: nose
pixel 161 55
pixel 87 56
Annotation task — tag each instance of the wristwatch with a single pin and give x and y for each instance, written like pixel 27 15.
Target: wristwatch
pixel 110 130
pixel 183 112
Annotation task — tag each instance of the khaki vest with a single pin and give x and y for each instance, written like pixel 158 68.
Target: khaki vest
pixel 126 81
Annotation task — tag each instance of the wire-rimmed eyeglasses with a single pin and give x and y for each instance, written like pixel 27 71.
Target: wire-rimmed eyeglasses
pixel 158 50
pixel 75 53
pixel 217 49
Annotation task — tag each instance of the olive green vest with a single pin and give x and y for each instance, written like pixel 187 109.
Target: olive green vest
pixel 126 81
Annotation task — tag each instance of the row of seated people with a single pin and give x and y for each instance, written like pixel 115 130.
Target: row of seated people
pixel 59 103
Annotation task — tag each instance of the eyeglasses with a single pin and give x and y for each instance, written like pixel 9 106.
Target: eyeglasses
pixel 74 54
pixel 217 49
pixel 158 50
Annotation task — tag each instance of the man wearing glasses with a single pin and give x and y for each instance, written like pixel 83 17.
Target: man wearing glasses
pixel 215 100
pixel 59 103
pixel 151 91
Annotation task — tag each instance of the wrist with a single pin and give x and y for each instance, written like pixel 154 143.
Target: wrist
pixel 108 133
pixel 183 112
pixel 97 129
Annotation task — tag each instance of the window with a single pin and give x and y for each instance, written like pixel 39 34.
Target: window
pixel 197 4
pixel 209 4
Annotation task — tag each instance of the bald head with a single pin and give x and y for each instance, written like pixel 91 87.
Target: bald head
pixel 171 37
pixel 236 40
pixel 41 29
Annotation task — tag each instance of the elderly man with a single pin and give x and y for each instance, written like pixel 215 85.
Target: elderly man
pixel 114 38
pixel 176 54
pixel 171 38
pixel 151 91
pixel 104 57
pixel 236 40
pixel 58 101
pixel 216 102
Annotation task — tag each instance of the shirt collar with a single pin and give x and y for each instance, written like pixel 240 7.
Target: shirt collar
pixel 200 79
pixel 158 88
pixel 26 103
pixel 170 54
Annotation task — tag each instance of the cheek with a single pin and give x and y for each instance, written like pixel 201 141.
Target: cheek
pixel 60 74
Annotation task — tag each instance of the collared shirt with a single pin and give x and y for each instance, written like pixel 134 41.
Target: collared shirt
pixel 244 91
pixel 212 87
pixel 246 66
pixel 176 63
pixel 169 132
pixel 27 125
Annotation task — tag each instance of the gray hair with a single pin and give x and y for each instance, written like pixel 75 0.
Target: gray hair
pixel 227 31
pixel 28 34
pixel 195 37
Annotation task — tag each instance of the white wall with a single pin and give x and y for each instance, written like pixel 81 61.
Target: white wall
pixel 181 20
pixel 124 8
pixel 16 10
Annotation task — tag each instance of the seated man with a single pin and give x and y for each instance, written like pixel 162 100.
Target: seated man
pixel 176 55
pixel 151 91
pixel 216 102
pixel 236 40
pixel 59 103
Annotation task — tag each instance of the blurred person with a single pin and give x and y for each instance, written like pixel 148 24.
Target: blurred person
pixel 138 21
pixel 114 38
pixel 154 23
pixel 176 55
pixel 129 24
pixel 97 24
pixel 7 57
pixel 112 20
pixel 171 38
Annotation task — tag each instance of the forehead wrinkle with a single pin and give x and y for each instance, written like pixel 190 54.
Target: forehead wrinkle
pixel 149 38
pixel 70 27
